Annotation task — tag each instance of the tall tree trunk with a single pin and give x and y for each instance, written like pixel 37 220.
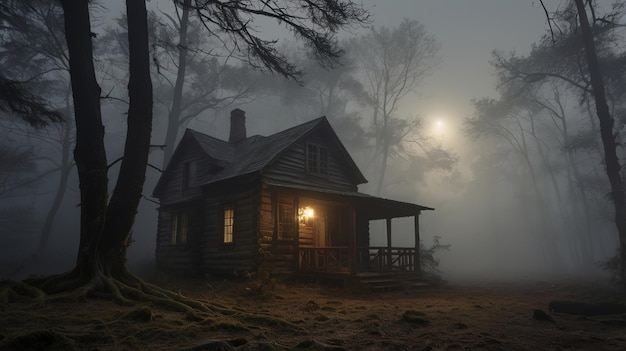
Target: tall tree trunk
pixel 173 118
pixel 611 160
pixel 128 189
pixel 106 231
pixel 89 152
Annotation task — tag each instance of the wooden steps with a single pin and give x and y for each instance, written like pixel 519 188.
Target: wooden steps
pixel 393 281
pixel 374 281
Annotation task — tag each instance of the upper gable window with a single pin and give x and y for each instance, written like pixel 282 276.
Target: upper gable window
pixel 189 174
pixel 316 159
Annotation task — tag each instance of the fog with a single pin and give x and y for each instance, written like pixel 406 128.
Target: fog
pixel 516 194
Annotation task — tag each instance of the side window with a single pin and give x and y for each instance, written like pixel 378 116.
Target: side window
pixel 311 158
pixel 189 175
pixel 229 223
pixel 179 228
pixel 323 161
pixel 286 217
pixel 316 159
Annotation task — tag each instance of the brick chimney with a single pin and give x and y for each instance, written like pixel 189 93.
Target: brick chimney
pixel 237 126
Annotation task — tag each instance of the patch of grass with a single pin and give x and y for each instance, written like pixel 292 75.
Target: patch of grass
pixel 272 322
pixel 228 326
pixel 93 338
pixel 141 314
pixel 415 318
pixel 13 318
pixel 460 325
pixel 321 318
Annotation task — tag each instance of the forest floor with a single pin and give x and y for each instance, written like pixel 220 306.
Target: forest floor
pixel 301 316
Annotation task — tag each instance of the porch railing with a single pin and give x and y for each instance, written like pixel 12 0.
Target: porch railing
pixel 369 259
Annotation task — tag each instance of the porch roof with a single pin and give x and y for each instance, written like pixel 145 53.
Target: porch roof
pixel 368 206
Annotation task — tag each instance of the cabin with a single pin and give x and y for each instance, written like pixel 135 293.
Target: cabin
pixel 289 201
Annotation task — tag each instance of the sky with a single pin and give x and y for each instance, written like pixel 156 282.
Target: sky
pixel 468 32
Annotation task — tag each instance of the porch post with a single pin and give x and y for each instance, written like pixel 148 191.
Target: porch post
pixel 353 243
pixel 296 239
pixel 418 268
pixel 389 244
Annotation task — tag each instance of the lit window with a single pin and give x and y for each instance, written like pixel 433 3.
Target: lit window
pixel 316 159
pixel 180 227
pixel 229 221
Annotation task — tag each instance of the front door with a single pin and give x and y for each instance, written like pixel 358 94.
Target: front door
pixel 331 225
pixel 338 230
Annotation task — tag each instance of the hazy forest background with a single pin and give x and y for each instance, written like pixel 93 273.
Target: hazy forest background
pixel 517 179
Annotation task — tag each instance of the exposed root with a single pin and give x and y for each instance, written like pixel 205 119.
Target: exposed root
pixel 126 289
pixel 12 291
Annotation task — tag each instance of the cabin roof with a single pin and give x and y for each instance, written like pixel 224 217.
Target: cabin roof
pixel 257 152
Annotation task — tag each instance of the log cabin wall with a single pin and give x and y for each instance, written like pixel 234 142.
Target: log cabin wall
pixel 305 234
pixel 181 195
pixel 242 255
pixel 290 168
pixel 203 165
pixel 277 253
pixel 179 257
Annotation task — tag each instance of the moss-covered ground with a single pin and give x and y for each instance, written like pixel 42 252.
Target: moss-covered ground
pixel 300 316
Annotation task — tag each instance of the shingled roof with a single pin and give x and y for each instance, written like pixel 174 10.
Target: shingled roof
pixel 257 152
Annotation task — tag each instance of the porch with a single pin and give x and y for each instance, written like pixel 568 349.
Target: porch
pixel 333 232
pixel 365 260
pixel 376 267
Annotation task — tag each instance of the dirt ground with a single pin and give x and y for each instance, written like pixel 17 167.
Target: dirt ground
pixel 299 316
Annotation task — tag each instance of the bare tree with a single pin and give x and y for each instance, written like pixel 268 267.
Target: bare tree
pixel 194 76
pixel 35 50
pixel 393 63
pixel 584 39
pixel 611 161
pixel 19 95
pixel 509 123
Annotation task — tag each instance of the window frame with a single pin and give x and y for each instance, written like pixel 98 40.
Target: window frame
pixel 188 175
pixel 286 223
pixel 228 222
pixel 316 159
pixel 179 228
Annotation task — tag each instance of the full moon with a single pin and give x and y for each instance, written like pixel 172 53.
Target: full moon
pixel 438 127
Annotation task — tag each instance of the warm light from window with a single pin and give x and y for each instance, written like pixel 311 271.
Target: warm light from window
pixel 229 221
pixel 304 213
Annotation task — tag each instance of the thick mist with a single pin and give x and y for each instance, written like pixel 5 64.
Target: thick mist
pixel 512 169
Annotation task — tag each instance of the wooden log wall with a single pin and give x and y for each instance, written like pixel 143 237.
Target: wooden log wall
pixel 242 255
pixel 173 189
pixel 279 254
pixel 179 258
pixel 306 236
pixel 290 168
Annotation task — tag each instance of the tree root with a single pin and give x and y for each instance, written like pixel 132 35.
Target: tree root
pixel 13 291
pixel 127 289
